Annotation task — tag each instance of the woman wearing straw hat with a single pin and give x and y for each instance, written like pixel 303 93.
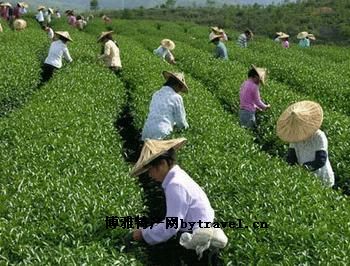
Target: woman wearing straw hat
pixel 249 96
pixel 277 35
pixel 110 51
pixel 40 15
pixel 166 109
pixel 284 40
pixel 300 125
pixel 220 51
pixel 185 201
pixel 218 31
pixel 48 15
pixel 164 51
pixel 304 41
pixel 244 38
pixel 58 49
pixel 71 17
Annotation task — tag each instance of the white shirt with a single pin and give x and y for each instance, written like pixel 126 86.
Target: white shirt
pixel 50 34
pixel 163 53
pixel 57 50
pixel 166 110
pixel 111 54
pixel 185 200
pixel 40 16
pixel 242 41
pixel 305 151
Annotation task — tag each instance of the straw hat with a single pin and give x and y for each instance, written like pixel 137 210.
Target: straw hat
pixel 64 34
pixel 283 36
pixel 19 24
pixel 51 10
pixel 167 43
pixel 302 35
pixel 299 121
pixel 23 4
pixel 179 76
pixel 41 8
pixel 251 33
pixel 104 34
pixel 261 72
pixel 279 33
pixel 214 36
pixel 312 37
pixel 151 150
pixel 6 4
pixel 217 30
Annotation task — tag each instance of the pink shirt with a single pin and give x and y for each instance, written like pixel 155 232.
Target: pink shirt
pixel 249 96
pixel 72 20
pixel 285 44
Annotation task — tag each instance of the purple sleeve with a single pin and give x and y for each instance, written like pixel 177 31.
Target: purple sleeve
pixel 257 101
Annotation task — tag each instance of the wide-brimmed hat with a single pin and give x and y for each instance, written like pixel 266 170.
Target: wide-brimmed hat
pixel 283 36
pixel 51 10
pixel 41 8
pixel 217 30
pixel 6 4
pixel 250 31
pixel 19 24
pixel 64 34
pixel 299 121
pixel 151 150
pixel 279 33
pixel 23 4
pixel 302 35
pixel 311 37
pixel 214 36
pixel 261 73
pixel 167 43
pixel 104 34
pixel 179 76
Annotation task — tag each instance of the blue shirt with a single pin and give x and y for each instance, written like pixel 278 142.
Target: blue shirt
pixel 304 43
pixel 185 200
pixel 166 110
pixel 221 51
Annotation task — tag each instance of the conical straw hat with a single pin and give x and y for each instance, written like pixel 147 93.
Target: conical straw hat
pixel 312 37
pixel 41 7
pixel 299 121
pixel 167 43
pixel 103 34
pixel 23 4
pixel 217 30
pixel 283 36
pixel 6 4
pixel 151 150
pixel 261 72
pixel 179 76
pixel 302 35
pixel 214 36
pixel 64 34
pixel 51 10
pixel 279 33
pixel 19 24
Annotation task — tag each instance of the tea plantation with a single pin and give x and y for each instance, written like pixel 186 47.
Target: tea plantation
pixel 64 164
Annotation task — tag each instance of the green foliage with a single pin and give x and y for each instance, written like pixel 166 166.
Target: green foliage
pixel 94 5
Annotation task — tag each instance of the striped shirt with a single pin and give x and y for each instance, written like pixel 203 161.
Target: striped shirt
pixel 242 41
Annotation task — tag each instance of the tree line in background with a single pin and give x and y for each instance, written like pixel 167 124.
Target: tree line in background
pixel 329 20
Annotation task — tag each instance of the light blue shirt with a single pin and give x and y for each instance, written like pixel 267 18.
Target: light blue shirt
pixel 304 43
pixel 185 200
pixel 166 110
pixel 161 52
pixel 221 51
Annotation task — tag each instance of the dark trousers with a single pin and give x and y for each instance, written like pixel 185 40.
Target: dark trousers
pixel 171 253
pixel 47 72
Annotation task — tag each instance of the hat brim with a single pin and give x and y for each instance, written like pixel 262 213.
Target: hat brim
pixel 167 75
pixel 302 35
pixel 104 35
pixel 262 76
pixel 67 38
pixel 299 121
pixel 144 167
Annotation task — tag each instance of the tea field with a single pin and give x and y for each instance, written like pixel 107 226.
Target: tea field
pixel 64 162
